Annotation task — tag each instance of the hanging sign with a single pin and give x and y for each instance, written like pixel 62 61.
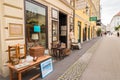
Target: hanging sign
pixel 93 19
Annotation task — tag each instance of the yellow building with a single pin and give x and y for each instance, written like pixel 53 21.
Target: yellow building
pixel 84 28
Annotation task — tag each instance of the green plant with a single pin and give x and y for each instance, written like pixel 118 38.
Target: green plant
pixel 99 31
pixel 117 28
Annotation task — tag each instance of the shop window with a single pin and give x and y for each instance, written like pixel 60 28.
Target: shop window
pixel 35 23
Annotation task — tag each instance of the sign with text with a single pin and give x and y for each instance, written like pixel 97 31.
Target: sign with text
pixel 93 19
pixel 46 67
pixel 37 28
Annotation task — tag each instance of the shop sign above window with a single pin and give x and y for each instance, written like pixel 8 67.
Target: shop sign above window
pixel 54 14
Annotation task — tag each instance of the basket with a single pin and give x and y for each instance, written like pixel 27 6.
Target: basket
pixel 37 51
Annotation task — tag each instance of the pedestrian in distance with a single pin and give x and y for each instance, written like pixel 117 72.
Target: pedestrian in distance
pixel 118 34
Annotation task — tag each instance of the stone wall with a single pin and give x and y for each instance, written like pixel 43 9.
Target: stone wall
pixel 12 13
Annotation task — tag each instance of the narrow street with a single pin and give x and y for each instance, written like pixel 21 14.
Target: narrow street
pixel 100 62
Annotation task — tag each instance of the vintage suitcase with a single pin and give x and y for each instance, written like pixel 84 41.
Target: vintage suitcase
pixel 36 51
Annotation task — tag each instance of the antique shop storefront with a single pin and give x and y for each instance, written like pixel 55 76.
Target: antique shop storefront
pixel 53 23
pixel 33 22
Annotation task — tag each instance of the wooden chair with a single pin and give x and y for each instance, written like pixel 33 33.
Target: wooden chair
pixel 21 54
pixel 17 51
pixel 12 55
pixel 54 47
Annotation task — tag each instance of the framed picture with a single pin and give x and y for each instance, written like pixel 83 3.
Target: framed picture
pixel 54 33
pixel 54 38
pixel 54 30
pixel 63 27
pixel 15 30
pixel 71 20
pixel 46 67
pixel 54 14
pixel 46 52
pixel 54 25
pixel 63 33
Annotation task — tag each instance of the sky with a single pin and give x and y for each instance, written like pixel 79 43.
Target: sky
pixel 109 8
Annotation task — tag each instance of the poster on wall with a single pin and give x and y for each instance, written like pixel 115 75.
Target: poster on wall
pixel 54 30
pixel 63 33
pixel 15 30
pixel 46 67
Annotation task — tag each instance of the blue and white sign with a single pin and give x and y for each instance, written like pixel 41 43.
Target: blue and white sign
pixel 37 28
pixel 46 67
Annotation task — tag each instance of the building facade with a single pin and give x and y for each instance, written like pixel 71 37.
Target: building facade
pixel 44 22
pixel 115 22
pixel 20 20
pixel 84 28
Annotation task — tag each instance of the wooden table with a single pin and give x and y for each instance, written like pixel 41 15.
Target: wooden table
pixel 23 69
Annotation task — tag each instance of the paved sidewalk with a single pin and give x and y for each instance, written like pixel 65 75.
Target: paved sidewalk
pixel 105 63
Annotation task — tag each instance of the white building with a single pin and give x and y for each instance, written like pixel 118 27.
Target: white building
pixel 115 22
pixel 103 27
pixel 108 27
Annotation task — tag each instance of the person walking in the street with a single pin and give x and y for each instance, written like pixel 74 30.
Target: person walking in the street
pixel 118 34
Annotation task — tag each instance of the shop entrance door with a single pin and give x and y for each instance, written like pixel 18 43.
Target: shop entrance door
pixel 63 28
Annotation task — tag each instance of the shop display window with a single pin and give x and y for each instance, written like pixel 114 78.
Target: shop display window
pixel 36 22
